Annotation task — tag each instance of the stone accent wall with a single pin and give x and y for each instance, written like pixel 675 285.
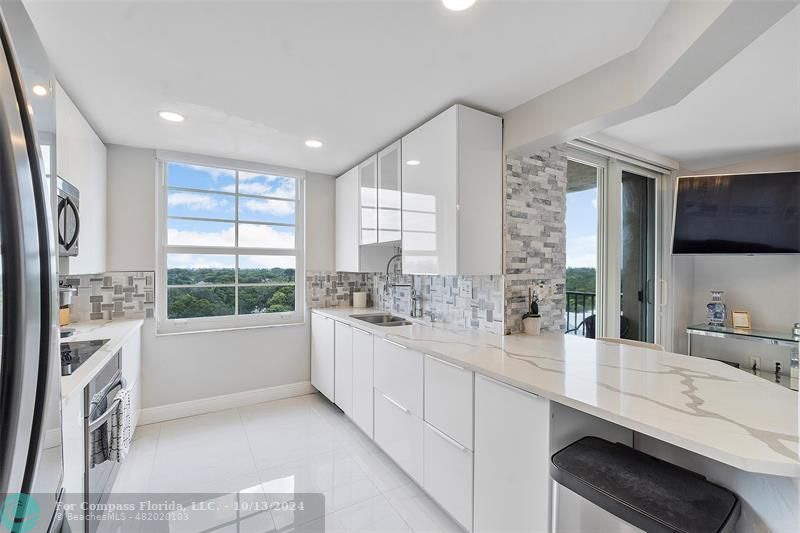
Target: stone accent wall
pixel 534 230
pixel 112 296
pixel 334 289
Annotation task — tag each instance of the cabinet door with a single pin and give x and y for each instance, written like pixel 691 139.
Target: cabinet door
pixel 512 444
pixel 347 227
pixel 448 475
pixel 322 360
pixel 430 199
pixel 362 380
pixel 343 367
pixel 398 374
pixel 448 399
pixel 132 372
pixel 389 193
pixel 399 433
pixel 368 199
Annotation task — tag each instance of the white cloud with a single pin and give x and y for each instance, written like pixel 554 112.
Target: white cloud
pixel 271 207
pixel 213 172
pixel 194 201
pixel 252 235
pixel 200 261
pixel 582 251
pixel 196 238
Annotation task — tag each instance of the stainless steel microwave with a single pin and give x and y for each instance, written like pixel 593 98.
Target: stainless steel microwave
pixel 69 218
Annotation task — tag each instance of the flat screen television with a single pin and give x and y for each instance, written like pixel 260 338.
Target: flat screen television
pixel 738 214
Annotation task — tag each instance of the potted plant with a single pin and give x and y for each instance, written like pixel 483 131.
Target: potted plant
pixel 532 320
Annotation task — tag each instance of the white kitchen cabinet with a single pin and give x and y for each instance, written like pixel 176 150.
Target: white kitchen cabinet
pixel 81 160
pixel 448 474
pixel 389 168
pixel 452 195
pixel 347 222
pixel 399 433
pixel 350 255
pixel 512 458
pixel 398 374
pixel 363 396
pixel 448 399
pixel 131 368
pixel 322 355
pixel 368 193
pixel 343 367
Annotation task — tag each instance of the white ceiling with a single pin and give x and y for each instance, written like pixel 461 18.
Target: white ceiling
pixel 255 79
pixel 748 108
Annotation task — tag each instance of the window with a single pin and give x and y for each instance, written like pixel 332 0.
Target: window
pixel 230 244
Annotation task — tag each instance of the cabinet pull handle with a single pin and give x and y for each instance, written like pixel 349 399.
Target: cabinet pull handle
pixel 395 404
pixel 396 344
pixel 362 331
pixel 510 387
pixel 448 439
pixel 448 363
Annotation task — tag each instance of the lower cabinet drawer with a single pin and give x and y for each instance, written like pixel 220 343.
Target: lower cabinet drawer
pixel 399 433
pixel 448 475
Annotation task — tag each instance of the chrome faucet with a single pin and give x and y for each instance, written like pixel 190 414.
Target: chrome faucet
pixel 389 284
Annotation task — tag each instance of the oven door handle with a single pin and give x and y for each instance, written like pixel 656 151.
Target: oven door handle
pixel 105 416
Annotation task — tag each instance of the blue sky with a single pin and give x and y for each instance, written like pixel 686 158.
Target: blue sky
pixel 271 201
pixel 582 228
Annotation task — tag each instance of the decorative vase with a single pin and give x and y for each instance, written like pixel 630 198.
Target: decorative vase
pixel 716 310
pixel 532 325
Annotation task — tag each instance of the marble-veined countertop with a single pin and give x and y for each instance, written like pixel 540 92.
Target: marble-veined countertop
pixel 117 332
pixel 701 405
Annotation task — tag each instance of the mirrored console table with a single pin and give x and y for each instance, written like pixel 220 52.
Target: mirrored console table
pixel 786 340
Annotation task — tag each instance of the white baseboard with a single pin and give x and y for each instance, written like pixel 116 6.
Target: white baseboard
pixel 152 415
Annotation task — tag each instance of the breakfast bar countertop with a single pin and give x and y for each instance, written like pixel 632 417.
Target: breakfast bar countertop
pixel 701 405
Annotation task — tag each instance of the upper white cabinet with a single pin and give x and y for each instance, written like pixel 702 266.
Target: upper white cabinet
pixel 389 193
pixel 350 196
pixel 368 193
pixel 81 160
pixel 452 195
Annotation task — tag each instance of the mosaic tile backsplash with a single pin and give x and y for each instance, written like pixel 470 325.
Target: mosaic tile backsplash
pixel 335 289
pixel 112 296
pixel 470 302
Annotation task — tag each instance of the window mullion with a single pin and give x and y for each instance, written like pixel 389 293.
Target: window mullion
pixel 236 242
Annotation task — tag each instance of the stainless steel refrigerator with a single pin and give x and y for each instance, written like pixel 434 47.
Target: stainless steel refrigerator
pixel 31 461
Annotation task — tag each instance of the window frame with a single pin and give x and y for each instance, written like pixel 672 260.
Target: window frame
pixel 165 325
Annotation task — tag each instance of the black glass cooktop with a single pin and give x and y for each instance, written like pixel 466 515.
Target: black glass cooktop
pixel 75 353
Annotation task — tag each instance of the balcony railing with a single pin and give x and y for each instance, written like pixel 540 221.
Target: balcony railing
pixel 580 305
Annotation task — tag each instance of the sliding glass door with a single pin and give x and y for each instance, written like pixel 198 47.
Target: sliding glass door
pixel 638 258
pixel 613 239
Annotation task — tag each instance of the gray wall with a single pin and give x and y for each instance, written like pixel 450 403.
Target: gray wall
pixel 767 286
pixel 191 366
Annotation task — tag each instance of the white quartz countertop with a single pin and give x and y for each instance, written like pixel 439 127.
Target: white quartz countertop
pixel 117 332
pixel 701 405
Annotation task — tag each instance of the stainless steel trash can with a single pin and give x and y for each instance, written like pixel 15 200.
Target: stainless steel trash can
pixel 606 487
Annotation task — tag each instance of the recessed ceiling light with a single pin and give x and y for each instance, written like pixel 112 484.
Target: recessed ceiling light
pixel 40 90
pixel 313 143
pixel 458 5
pixel 171 116
pixel 412 162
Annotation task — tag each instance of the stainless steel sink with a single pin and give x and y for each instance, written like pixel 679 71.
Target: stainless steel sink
pixel 383 319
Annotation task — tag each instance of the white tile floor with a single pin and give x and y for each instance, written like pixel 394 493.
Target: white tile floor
pixel 301 444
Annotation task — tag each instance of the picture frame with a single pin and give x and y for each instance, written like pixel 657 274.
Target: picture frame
pixel 741 320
